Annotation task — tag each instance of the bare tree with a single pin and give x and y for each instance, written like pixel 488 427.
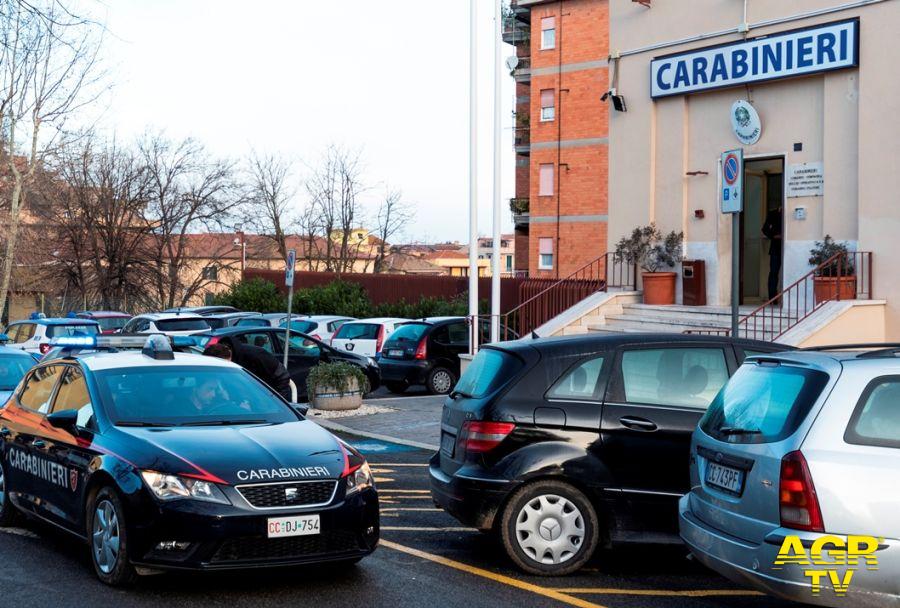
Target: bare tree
pixel 48 69
pixel 334 189
pixel 270 198
pixel 393 216
pixel 189 192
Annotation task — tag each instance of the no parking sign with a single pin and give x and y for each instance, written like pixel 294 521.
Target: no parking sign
pixel 732 194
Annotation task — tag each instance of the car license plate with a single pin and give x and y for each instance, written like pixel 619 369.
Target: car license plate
pixel 297 525
pixel 448 444
pixel 395 352
pixel 724 477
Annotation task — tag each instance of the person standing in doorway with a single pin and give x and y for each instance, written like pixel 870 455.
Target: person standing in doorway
pixel 772 229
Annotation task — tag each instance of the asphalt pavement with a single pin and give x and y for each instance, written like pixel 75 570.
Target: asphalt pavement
pixel 425 559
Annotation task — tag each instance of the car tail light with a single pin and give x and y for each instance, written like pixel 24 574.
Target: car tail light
pixel 380 339
pixel 44 347
pixel 422 349
pixel 797 498
pixel 316 337
pixel 481 437
pixel 213 340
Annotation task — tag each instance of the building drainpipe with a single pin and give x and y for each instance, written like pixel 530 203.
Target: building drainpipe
pixel 559 51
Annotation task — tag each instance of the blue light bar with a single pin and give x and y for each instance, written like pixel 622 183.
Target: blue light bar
pixel 83 341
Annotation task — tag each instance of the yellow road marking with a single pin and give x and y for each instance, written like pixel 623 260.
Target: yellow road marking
pixel 396 464
pixel 383 479
pixel 659 592
pixel 385 497
pixel 429 509
pixel 425 529
pixel 396 491
pixel 505 580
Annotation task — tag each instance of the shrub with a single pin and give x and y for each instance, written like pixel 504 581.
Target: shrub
pixel 335 298
pixel 256 295
pixel 825 250
pixel 647 248
pixel 336 376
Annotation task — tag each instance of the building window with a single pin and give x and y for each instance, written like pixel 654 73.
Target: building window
pixel 545 186
pixel 509 263
pixel 548 105
pixel 545 253
pixel 211 273
pixel 548 33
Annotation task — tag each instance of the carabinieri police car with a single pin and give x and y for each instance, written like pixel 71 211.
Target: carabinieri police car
pixel 164 461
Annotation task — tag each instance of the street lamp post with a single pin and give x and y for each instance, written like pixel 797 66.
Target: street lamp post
pixel 239 241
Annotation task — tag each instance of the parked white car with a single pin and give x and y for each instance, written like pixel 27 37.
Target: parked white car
pixel 798 454
pixel 365 336
pixel 167 323
pixel 320 327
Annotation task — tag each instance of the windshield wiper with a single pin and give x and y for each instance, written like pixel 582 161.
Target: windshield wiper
pixel 733 430
pixel 141 423
pixel 221 422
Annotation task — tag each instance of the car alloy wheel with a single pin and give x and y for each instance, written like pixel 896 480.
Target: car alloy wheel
pixel 550 529
pixel 106 536
pixel 441 381
pixel 2 492
pixel 8 514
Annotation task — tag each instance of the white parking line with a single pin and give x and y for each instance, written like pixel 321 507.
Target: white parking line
pixel 19 532
pixel 425 529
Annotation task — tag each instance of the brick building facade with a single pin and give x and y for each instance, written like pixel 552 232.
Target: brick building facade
pixel 561 137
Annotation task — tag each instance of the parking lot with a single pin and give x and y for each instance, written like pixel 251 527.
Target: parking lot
pixel 424 557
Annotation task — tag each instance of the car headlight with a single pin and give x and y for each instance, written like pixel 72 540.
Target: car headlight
pixel 172 487
pixel 360 479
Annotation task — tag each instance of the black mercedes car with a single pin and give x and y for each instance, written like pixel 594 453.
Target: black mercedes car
pixel 168 461
pixel 563 445
pixel 304 352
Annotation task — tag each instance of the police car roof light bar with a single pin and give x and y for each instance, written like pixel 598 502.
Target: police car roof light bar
pixel 158 347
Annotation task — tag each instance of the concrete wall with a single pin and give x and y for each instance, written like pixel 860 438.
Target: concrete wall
pixel 847 119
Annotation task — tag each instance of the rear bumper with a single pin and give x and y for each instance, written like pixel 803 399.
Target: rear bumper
pixel 407 372
pixel 752 565
pixel 472 501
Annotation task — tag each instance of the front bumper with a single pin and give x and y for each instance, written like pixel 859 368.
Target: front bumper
pixel 221 537
pixel 471 500
pixel 752 565
pixel 407 372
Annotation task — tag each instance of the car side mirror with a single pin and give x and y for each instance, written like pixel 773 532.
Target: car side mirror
pixel 303 408
pixel 66 420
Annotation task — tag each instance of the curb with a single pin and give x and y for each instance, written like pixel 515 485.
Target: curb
pixel 334 426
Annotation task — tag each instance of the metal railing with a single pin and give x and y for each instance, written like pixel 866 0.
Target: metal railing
pixel 843 276
pixel 543 299
pixel 522 138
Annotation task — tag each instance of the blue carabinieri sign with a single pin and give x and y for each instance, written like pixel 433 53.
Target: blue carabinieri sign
pixel 821 48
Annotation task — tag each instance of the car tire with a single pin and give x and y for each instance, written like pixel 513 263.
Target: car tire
pixel 538 520
pixel 9 515
pixel 398 388
pixel 108 539
pixel 440 381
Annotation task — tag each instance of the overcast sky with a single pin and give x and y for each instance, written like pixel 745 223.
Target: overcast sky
pixel 291 77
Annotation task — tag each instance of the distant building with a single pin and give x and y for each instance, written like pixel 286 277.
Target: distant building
pixel 456 262
pixel 507 253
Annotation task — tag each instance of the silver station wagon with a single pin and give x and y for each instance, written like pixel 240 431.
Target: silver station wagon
pixel 795 477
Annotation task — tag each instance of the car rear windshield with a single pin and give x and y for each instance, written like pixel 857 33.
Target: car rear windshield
pixel 12 369
pixel 357 331
pixel 304 327
pixel 190 395
pixel 488 371
pixel 409 332
pixel 763 403
pixel 54 331
pixel 112 323
pixel 182 324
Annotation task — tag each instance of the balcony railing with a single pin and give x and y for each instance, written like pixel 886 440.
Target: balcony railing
pixel 522 139
pixel 514 31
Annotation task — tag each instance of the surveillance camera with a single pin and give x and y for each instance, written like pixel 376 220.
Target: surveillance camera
pixel 236 241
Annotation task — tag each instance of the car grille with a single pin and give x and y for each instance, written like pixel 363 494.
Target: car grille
pixel 296 494
pixel 274 549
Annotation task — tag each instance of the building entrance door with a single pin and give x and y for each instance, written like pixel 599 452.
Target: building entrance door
pixel 762 227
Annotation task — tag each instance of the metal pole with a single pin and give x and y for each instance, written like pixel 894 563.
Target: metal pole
pixel 735 271
pixel 473 174
pixel 495 253
pixel 287 326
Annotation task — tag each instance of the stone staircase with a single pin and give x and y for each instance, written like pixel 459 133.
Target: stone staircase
pixel 630 317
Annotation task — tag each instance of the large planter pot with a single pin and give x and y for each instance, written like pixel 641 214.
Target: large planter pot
pixel 827 288
pixel 659 287
pixel 331 399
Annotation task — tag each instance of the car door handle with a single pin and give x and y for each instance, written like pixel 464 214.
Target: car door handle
pixel 638 424
pixel 39 444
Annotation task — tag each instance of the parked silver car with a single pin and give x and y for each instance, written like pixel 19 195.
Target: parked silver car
pixel 799 454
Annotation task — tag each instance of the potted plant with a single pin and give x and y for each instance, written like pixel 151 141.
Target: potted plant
pixel 336 386
pixel 827 284
pixel 649 249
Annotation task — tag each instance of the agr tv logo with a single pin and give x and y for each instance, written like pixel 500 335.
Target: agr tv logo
pixel 832 554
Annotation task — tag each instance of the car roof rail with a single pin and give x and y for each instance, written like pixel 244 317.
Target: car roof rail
pixel 872 349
